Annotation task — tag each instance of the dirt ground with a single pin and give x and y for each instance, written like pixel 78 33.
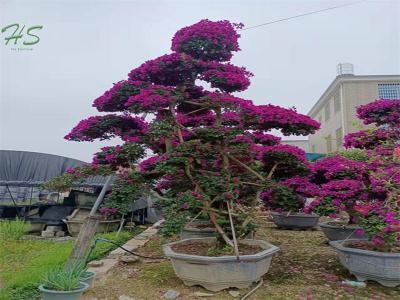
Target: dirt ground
pixel 305 268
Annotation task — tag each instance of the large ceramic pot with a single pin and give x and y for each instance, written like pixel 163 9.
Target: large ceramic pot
pixel 292 220
pixel 383 267
pixel 198 229
pixel 74 226
pixel 63 295
pixel 335 231
pixel 218 273
pixel 88 277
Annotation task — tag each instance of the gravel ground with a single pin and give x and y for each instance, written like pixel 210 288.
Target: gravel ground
pixel 305 268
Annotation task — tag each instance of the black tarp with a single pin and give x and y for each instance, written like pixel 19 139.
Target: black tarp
pixel 31 168
pixel 22 172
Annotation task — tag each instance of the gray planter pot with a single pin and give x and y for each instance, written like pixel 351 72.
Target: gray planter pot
pixel 63 295
pixel 336 232
pixel 218 273
pixel 88 277
pixel 294 220
pixel 74 226
pixel 197 229
pixel 369 265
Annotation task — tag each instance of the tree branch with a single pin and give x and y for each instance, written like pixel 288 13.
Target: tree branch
pixel 246 167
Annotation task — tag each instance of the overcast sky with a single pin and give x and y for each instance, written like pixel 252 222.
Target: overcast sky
pixel 85 46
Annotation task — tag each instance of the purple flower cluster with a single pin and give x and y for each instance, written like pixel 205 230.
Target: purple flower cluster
pixel 207 40
pixel 337 167
pixel 108 211
pixel 114 99
pixel 289 121
pixel 151 99
pixel 372 138
pixel 106 127
pixel 382 111
pixel 226 77
pixel 169 69
pixel 268 152
pixel 302 185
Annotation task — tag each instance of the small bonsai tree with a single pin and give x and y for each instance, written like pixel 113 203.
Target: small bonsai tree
pixel 212 153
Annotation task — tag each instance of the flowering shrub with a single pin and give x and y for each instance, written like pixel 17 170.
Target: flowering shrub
pixel 212 153
pixel 170 69
pixel 108 212
pixel 380 112
pixel 226 77
pixel 207 40
pixel 372 138
pixel 367 189
pixel 125 156
pixel 115 98
pixel 75 176
pixel 108 126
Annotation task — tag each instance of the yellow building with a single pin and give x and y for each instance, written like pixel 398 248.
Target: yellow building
pixel 336 108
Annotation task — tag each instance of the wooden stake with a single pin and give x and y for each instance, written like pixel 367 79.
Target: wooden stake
pixel 235 243
pixel 88 230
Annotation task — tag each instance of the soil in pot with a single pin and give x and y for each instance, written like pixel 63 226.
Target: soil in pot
pixel 205 249
pixel 367 245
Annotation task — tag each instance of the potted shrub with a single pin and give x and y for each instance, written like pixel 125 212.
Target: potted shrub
pixel 287 200
pixel 338 183
pixel 63 284
pixel 212 155
pixel 377 258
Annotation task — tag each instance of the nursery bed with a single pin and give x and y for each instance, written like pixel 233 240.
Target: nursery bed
pixel 305 268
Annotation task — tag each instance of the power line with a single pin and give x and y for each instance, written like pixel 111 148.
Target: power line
pixel 302 15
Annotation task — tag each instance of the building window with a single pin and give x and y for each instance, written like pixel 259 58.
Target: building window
pixel 327 111
pixel 313 148
pixel 336 102
pixel 329 143
pixel 389 90
pixel 339 137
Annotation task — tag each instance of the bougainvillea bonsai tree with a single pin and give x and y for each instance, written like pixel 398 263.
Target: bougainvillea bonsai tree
pixel 368 190
pixel 379 210
pixel 211 153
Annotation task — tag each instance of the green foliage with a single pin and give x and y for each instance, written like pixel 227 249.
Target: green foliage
pixel 354 154
pixel 177 211
pixel 102 248
pixel 62 278
pixel 12 229
pixel 214 134
pixel 74 176
pixel 23 263
pixel 218 251
pixel 283 197
pixel 125 191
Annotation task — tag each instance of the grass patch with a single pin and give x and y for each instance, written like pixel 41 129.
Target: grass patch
pixel 102 248
pixel 157 274
pixel 12 229
pixel 23 263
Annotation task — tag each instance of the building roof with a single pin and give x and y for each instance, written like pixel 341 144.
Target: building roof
pixel 349 78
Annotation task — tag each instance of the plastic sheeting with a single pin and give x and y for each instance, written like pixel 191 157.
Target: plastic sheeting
pixel 23 168
pixel 31 167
